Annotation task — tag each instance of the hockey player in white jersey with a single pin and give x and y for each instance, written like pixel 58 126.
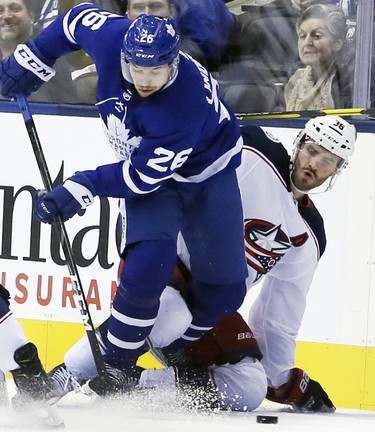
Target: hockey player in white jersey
pixel 20 357
pixel 284 243
pixel 179 146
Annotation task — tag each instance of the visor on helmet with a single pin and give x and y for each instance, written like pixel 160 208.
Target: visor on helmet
pixel 151 41
pixel 334 134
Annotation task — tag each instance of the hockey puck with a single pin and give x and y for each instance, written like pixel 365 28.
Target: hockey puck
pixel 267 419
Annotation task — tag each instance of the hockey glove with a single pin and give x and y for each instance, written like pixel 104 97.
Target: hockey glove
pixel 24 71
pixel 302 393
pixel 65 201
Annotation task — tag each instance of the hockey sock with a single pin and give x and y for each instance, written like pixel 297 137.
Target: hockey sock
pixel 12 337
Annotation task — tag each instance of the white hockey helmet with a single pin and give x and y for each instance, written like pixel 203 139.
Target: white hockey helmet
pixel 333 133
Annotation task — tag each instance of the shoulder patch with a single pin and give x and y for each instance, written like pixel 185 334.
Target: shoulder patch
pixel 270 136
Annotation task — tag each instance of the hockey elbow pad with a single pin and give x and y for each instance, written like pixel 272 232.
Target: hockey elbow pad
pixel 302 393
pixel 24 71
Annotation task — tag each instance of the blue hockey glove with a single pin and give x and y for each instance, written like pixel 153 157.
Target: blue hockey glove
pixel 24 71
pixel 303 393
pixel 65 201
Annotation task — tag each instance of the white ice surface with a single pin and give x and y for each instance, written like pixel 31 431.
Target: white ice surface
pixel 157 413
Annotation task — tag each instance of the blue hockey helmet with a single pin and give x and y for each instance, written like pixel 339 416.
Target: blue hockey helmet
pixel 151 41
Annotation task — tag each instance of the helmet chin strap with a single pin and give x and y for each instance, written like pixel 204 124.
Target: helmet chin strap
pixel 174 72
pixel 311 191
pixel 126 72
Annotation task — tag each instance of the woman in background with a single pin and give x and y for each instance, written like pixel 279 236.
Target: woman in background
pixel 324 80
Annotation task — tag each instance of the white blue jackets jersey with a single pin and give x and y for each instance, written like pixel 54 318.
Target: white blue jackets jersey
pixel 284 241
pixel 274 221
pixel 183 132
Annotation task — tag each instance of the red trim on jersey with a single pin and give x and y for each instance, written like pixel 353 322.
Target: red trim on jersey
pixel 268 162
pixel 306 202
pixel 5 317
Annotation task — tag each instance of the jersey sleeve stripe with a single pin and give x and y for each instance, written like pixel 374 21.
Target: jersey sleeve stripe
pixel 66 28
pixel 132 321
pixel 70 27
pixel 151 180
pixel 5 317
pixel 122 344
pixel 130 183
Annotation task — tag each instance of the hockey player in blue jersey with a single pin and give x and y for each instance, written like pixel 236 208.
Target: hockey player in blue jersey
pixel 284 243
pixel 178 145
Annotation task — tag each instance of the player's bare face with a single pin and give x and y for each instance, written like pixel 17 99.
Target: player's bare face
pixel 316 45
pixel 313 165
pixel 149 80
pixel 15 22
pixel 149 7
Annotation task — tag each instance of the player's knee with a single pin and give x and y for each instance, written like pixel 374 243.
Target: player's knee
pixel 220 300
pixel 255 390
pixel 243 386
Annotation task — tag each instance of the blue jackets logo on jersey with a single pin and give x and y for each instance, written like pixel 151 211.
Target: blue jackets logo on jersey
pixel 265 245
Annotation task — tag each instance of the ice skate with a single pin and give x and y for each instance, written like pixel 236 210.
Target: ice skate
pixel 173 354
pixel 34 387
pixel 116 383
pixel 63 380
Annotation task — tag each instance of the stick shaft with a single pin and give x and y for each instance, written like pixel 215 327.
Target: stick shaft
pixel 64 239
pixel 311 113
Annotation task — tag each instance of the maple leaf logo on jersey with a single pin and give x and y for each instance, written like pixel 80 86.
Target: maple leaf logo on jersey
pixel 265 245
pixel 118 137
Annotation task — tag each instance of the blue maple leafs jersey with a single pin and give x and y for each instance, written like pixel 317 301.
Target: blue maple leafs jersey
pixel 183 132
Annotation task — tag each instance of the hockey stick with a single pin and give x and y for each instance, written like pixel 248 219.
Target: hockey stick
pixel 310 113
pixel 64 240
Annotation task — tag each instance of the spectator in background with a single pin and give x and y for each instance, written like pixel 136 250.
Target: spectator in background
pixel 205 27
pixel 301 5
pixel 324 80
pixel 149 7
pixel 16 26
